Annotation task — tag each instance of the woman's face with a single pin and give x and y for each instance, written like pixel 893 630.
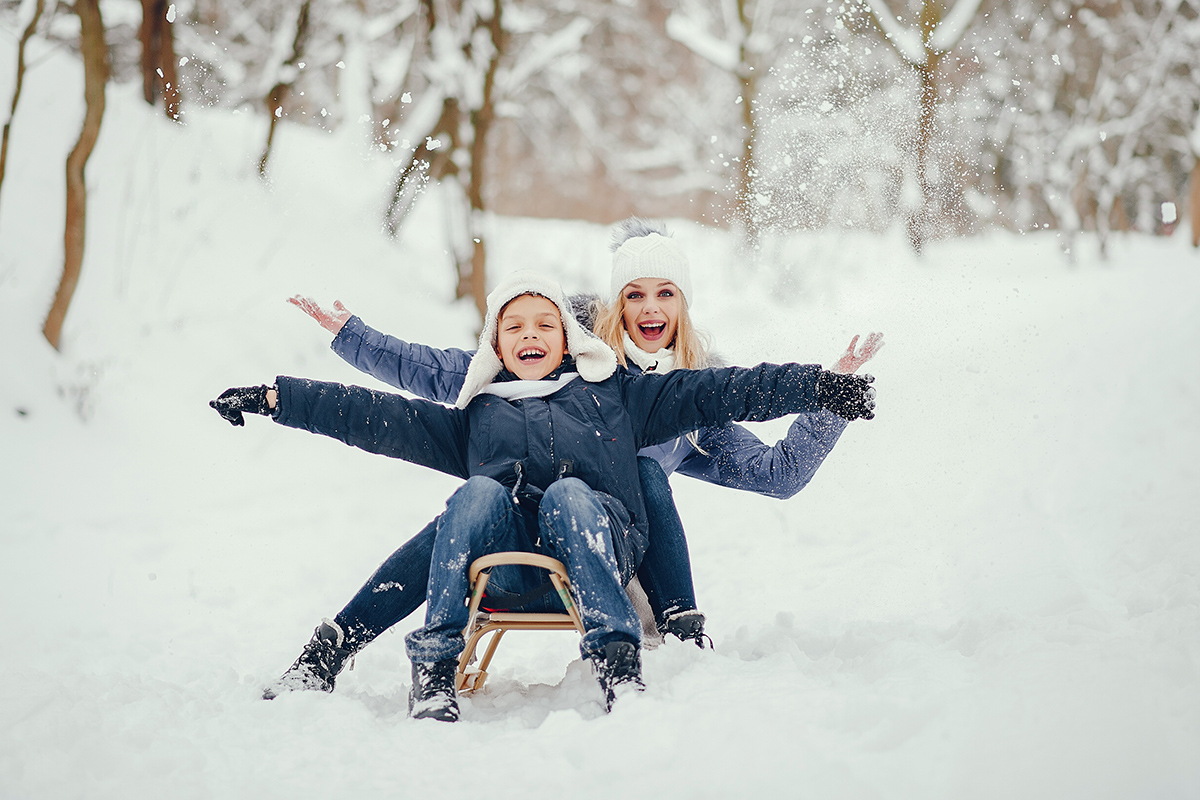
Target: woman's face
pixel 651 312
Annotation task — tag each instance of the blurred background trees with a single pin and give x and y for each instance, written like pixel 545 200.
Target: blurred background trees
pixel 940 116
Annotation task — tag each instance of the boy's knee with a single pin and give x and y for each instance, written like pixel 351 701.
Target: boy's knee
pixel 480 491
pixel 481 485
pixel 568 491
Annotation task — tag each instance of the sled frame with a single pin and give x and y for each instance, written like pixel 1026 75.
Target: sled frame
pixel 480 623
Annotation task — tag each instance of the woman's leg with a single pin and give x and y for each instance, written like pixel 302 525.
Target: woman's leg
pixel 666 569
pixel 396 590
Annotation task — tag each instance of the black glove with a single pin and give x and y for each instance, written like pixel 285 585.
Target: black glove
pixel 849 396
pixel 233 402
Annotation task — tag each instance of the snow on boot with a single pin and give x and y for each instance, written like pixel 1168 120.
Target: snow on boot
pixel 687 626
pixel 318 665
pixel 432 695
pixel 619 671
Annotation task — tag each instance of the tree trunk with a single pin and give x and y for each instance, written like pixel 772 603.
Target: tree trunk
pixel 425 164
pixel 481 122
pixel 921 221
pixel 159 77
pixel 1194 203
pixel 95 73
pixel 280 91
pixel 30 29
pixel 747 203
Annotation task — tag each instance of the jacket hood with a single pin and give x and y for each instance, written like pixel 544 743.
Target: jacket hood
pixel 594 360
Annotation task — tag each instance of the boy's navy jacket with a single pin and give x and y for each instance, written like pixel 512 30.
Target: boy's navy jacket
pixel 726 455
pixel 591 431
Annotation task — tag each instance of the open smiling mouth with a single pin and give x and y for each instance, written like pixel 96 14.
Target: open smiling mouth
pixel 530 355
pixel 652 330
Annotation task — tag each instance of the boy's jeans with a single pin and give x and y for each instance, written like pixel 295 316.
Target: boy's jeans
pixel 572 526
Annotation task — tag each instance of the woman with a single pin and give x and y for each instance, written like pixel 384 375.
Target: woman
pixel 646 321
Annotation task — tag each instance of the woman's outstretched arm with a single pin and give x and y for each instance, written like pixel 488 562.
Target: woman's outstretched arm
pixel 732 456
pixel 425 371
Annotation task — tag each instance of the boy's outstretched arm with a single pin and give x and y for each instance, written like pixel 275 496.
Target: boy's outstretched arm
pixel 417 431
pixel 666 406
pixel 251 399
pixel 730 455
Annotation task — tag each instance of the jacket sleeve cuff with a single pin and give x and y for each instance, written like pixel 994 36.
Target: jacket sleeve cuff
pixel 285 399
pixel 349 338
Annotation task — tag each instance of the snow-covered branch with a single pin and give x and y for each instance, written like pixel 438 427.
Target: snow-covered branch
pixel 950 31
pixel 907 42
pixel 692 35
pixel 539 53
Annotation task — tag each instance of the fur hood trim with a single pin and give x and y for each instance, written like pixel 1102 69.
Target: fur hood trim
pixel 594 360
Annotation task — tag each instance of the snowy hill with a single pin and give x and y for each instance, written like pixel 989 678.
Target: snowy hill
pixel 992 590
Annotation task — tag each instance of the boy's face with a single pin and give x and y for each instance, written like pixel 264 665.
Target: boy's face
pixel 530 338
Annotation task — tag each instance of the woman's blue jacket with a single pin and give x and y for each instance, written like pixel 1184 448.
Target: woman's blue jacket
pixel 591 431
pixel 728 455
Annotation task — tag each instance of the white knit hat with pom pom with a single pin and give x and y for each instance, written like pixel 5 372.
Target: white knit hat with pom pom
pixel 644 249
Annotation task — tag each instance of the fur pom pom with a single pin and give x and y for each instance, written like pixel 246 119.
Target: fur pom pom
pixel 633 228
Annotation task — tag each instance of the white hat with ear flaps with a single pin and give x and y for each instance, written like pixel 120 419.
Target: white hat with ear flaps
pixel 594 360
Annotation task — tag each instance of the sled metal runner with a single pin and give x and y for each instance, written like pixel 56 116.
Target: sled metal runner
pixel 481 622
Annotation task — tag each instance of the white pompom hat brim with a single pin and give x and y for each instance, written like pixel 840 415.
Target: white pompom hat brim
pixel 650 256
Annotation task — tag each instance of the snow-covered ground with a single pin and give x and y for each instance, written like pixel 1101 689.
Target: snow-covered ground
pixel 992 590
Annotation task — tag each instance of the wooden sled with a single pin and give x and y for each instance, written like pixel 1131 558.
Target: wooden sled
pixel 482 622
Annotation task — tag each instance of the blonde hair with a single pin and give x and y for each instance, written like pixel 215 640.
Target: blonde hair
pixel 690 344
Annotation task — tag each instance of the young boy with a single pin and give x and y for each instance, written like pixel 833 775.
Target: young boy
pixel 546 429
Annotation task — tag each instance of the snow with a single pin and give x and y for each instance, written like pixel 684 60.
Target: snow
pixel 989 591
pixel 906 41
pixel 952 27
pixel 692 34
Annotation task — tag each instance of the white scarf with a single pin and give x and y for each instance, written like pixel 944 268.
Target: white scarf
pixel 659 362
pixel 519 390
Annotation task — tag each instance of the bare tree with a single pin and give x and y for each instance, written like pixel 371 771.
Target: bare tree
pixel 466 43
pixel 159 77
pixel 287 77
pixel 30 29
pixel 938 31
pixel 1094 109
pixel 95 74
pixel 1194 203
pixel 742 38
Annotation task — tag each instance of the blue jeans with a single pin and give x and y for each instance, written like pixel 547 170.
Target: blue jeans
pixel 399 585
pixel 570 524
pixel 666 570
pixel 396 590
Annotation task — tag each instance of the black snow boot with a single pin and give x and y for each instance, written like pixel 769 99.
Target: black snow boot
pixel 619 671
pixel 687 626
pixel 433 695
pixel 318 665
